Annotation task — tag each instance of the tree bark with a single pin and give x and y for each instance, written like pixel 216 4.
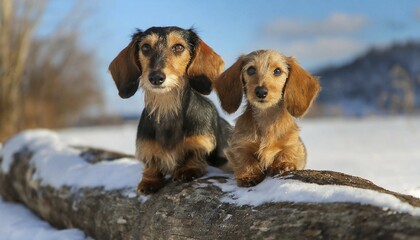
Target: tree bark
pixel 183 211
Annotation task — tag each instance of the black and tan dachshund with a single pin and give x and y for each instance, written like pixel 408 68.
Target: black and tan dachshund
pixel 180 131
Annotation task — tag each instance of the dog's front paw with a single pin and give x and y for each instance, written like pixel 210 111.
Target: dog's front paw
pixel 250 181
pixel 187 174
pixel 250 175
pixel 281 168
pixel 147 187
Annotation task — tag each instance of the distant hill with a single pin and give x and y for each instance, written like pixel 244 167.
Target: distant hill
pixel 382 81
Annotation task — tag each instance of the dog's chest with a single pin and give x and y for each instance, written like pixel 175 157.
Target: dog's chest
pixel 167 133
pixel 169 136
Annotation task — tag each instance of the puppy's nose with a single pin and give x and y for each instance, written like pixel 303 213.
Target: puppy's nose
pixel 157 78
pixel 261 92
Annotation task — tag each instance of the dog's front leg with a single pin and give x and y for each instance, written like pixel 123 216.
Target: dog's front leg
pixel 246 165
pixel 152 179
pixel 291 158
pixel 194 166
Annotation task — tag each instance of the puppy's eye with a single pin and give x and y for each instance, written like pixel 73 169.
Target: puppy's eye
pixel 146 48
pixel 277 72
pixel 251 71
pixel 178 48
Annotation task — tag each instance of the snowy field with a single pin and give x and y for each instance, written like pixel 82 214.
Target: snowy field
pixel 384 151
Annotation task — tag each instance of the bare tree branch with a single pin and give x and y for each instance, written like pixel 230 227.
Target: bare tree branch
pixel 59 80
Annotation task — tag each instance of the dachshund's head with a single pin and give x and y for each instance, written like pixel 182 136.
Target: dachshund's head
pixel 267 78
pixel 164 58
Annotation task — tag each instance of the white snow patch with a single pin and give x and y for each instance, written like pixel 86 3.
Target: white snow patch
pixel 228 216
pixel 143 198
pixel 201 185
pixel 130 193
pixel 121 221
pixel 288 190
pixel 18 223
pixel 19 141
pixel 121 138
pixel 58 165
pixel 216 172
pixel 415 192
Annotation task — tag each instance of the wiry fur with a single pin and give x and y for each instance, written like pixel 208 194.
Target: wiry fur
pixel 179 131
pixel 167 105
pixel 266 138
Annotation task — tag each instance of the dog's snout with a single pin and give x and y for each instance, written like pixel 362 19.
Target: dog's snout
pixel 261 92
pixel 157 78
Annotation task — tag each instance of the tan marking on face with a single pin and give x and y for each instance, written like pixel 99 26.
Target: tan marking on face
pixel 152 40
pixel 165 100
pixel 265 62
pixel 175 64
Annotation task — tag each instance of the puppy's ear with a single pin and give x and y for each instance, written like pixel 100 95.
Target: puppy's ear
pixel 301 89
pixel 126 70
pixel 205 67
pixel 229 87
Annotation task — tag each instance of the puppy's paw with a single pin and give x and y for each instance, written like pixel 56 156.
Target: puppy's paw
pixel 281 168
pixel 187 174
pixel 250 180
pixel 249 175
pixel 147 187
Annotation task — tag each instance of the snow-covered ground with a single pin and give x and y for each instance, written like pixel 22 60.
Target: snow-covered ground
pixel 384 151
pixel 18 223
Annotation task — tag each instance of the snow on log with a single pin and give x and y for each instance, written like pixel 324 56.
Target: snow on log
pixel 95 191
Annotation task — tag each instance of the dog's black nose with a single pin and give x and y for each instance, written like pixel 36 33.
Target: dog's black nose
pixel 157 78
pixel 261 92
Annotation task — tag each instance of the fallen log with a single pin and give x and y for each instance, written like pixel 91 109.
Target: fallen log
pixel 94 190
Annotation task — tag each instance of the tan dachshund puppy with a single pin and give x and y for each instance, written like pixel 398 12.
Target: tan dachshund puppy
pixel 266 138
pixel 180 131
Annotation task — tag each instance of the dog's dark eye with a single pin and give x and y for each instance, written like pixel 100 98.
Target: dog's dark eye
pixel 277 72
pixel 146 48
pixel 251 71
pixel 178 48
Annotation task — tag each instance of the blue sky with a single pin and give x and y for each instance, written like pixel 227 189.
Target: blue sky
pixel 316 32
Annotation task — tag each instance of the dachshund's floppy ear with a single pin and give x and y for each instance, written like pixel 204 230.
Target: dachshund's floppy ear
pixel 126 70
pixel 205 67
pixel 229 87
pixel 301 89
